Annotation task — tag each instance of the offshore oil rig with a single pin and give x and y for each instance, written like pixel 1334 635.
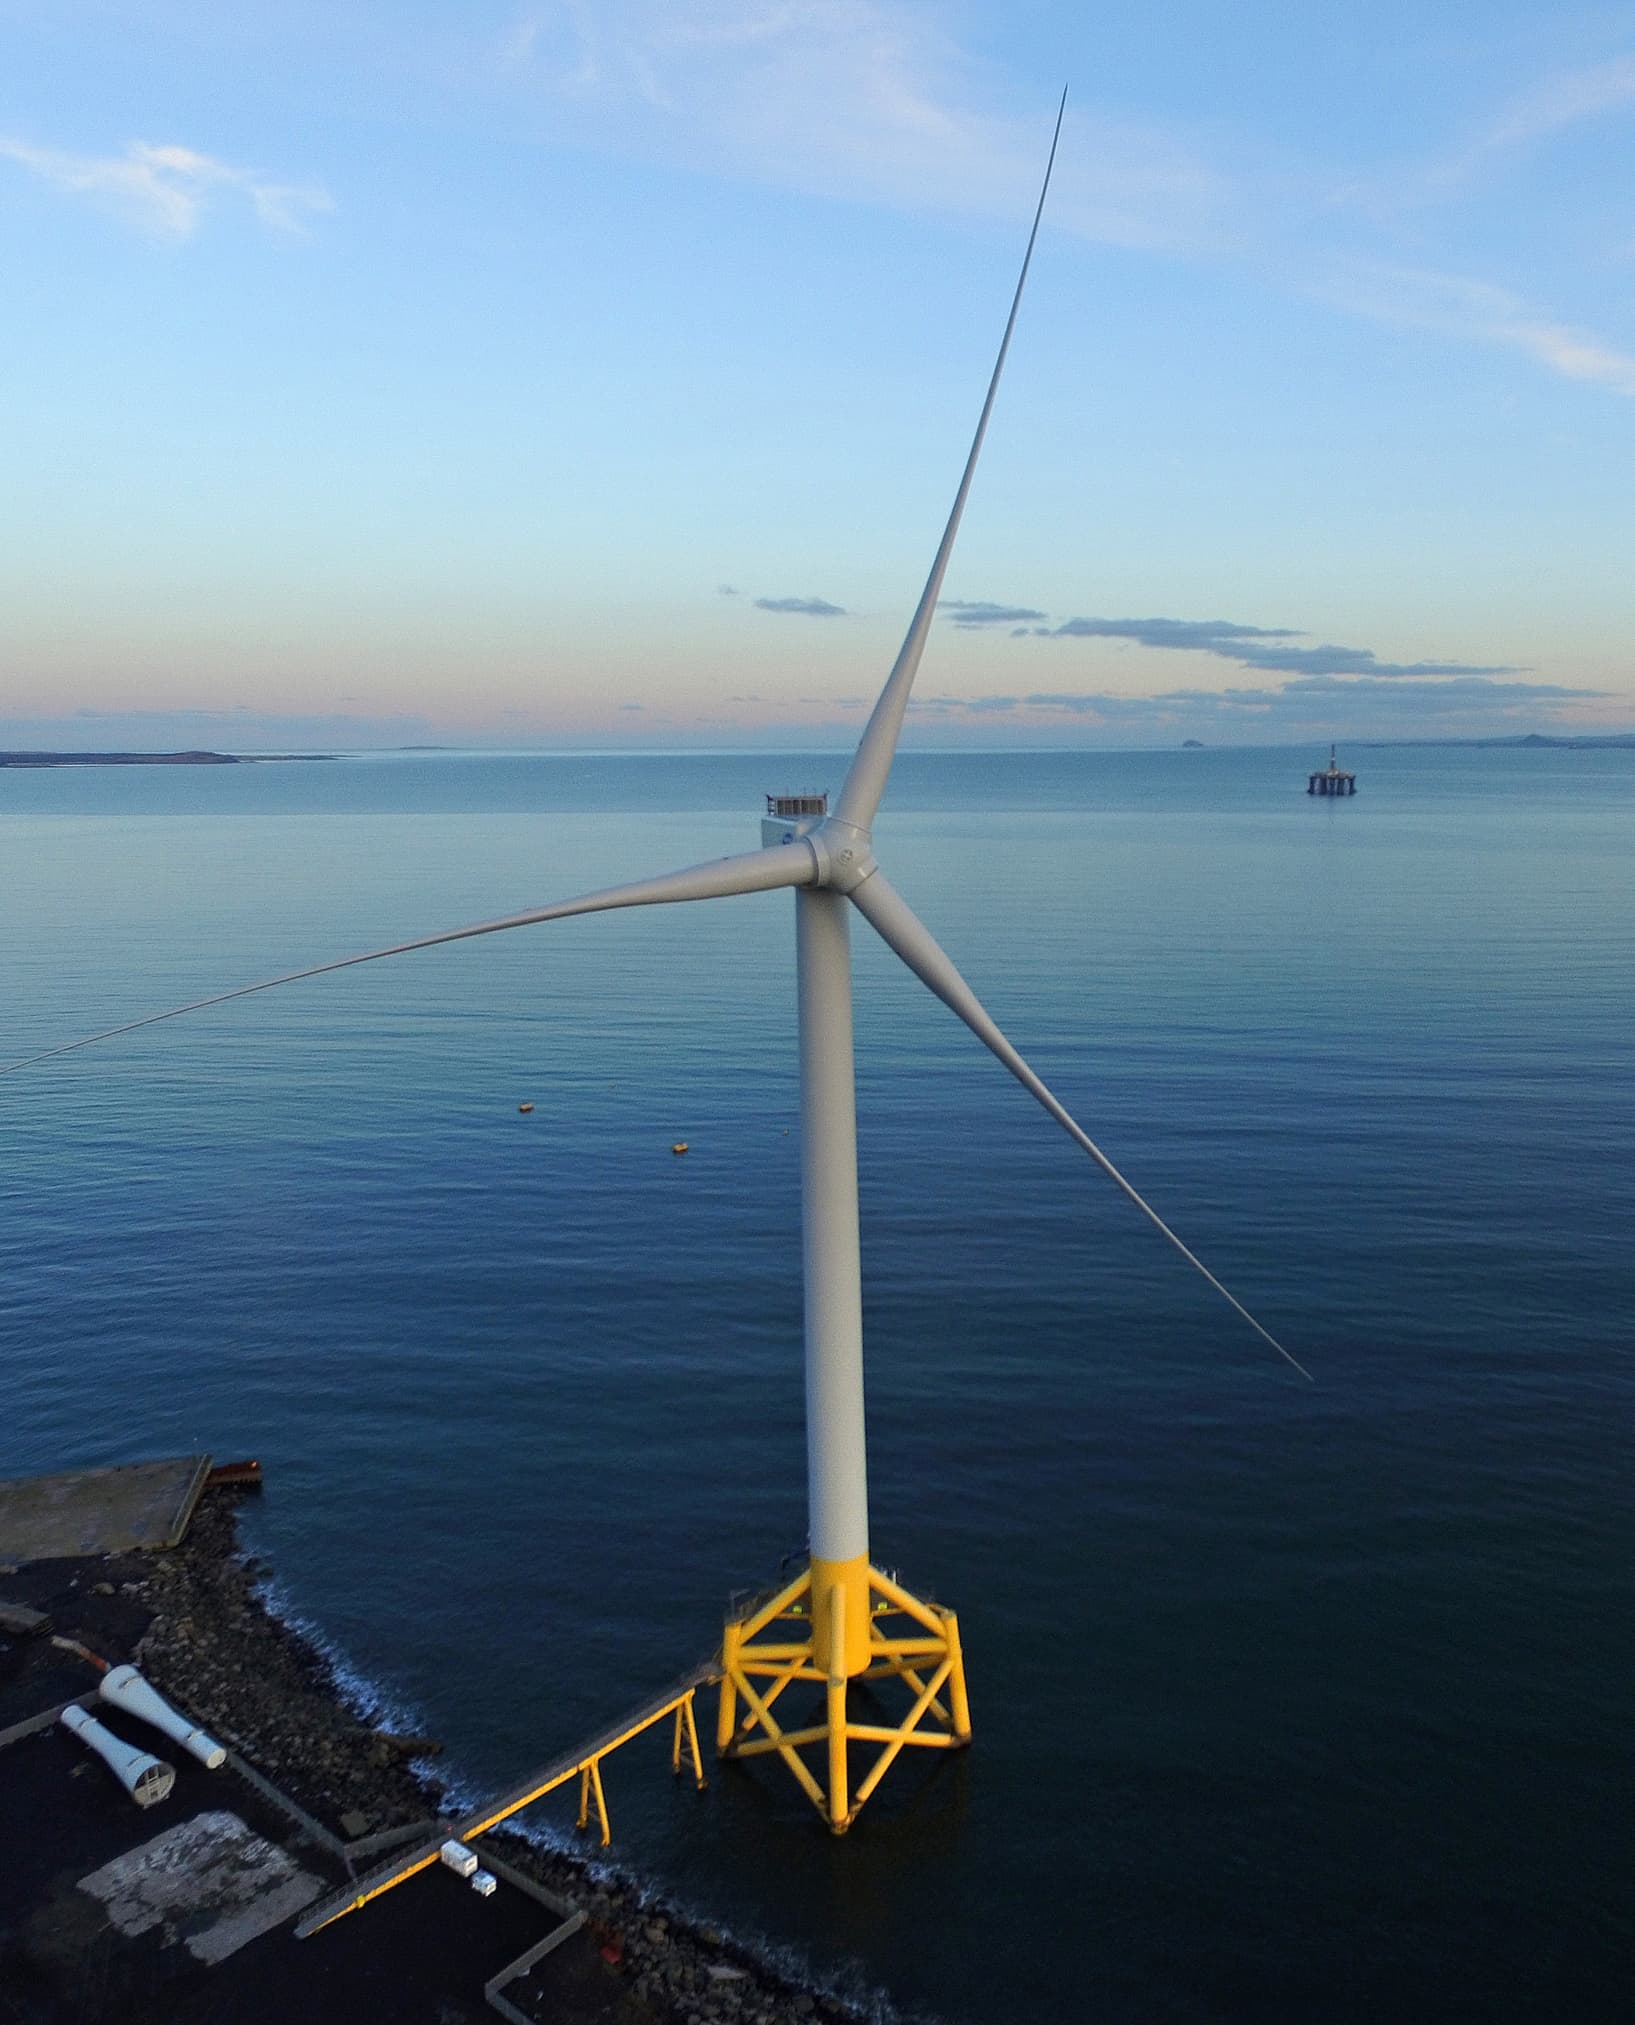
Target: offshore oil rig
pixel 1332 780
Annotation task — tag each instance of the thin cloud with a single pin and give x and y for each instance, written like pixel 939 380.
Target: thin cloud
pixel 1561 103
pixel 1331 660
pixel 1566 100
pixel 860 99
pixel 1246 645
pixel 1206 636
pixel 1314 700
pixel 1327 684
pixel 165 190
pixel 1456 306
pixel 807 608
pixel 1464 692
pixel 879 101
pixel 978 612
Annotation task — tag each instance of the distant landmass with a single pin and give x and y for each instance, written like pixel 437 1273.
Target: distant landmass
pixel 1589 742
pixel 150 758
pixel 1193 744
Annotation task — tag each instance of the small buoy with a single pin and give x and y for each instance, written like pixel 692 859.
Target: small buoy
pixel 525 1107
pixel 679 1147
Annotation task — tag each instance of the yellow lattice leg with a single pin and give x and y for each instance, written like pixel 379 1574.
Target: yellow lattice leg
pixel 829 1626
pixel 835 1704
pixel 726 1714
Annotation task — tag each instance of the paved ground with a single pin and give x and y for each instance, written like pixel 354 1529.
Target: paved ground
pixel 99 1511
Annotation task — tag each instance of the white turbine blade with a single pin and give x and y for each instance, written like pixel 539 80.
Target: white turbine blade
pixel 751 872
pixel 871 763
pixel 886 911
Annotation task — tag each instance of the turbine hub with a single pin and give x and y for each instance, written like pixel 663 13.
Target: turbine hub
pixel 845 854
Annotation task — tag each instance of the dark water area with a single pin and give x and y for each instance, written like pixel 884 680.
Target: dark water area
pixel 1290 1701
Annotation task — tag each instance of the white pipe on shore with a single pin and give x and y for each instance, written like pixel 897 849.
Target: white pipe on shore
pixel 144 1777
pixel 125 1688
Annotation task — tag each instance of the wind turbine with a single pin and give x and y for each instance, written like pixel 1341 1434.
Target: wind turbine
pixel 841 1620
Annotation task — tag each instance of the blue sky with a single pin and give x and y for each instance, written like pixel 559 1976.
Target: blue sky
pixel 599 372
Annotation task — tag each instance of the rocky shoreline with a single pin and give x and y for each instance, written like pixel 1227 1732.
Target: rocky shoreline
pixel 261 1686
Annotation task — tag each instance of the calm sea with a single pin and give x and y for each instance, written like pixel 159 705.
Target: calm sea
pixel 1290 1701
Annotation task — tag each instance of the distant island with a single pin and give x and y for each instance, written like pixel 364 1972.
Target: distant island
pixel 150 758
pixel 1192 744
pixel 1622 741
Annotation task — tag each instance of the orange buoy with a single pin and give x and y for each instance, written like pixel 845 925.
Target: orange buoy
pixel 525 1107
pixel 679 1147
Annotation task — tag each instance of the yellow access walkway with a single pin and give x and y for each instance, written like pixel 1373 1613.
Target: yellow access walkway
pixel 584 1763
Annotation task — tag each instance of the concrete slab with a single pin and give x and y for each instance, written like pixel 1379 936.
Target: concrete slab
pixel 107 1511
pixel 210 1882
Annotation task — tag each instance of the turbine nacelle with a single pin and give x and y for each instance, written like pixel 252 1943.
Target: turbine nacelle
pixel 842 852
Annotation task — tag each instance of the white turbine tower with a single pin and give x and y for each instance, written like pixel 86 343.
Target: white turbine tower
pixel 841 1619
